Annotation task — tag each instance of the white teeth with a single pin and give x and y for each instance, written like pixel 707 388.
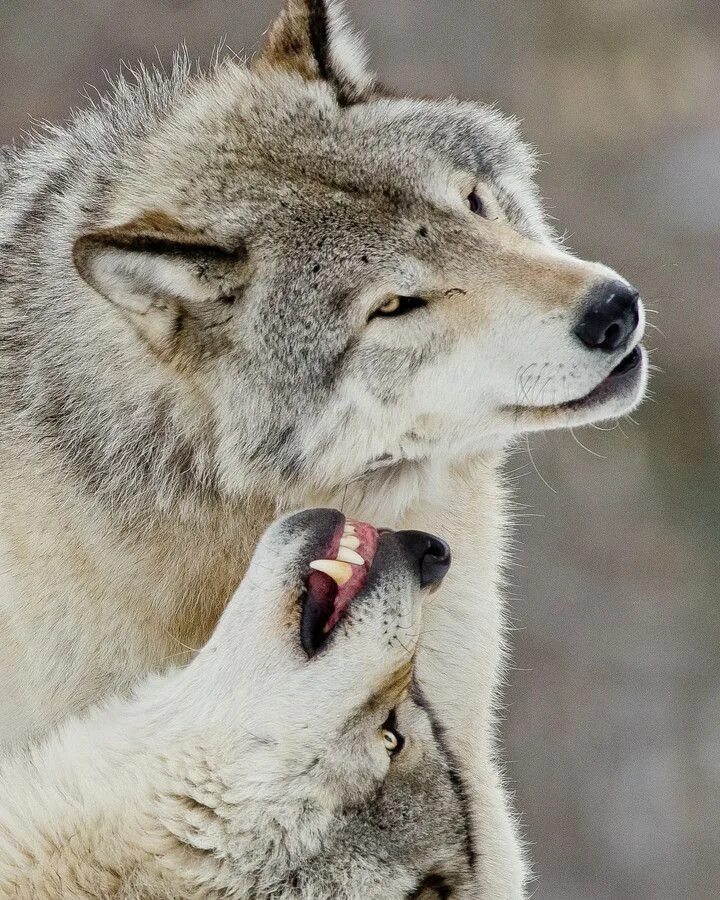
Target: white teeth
pixel 346 554
pixel 349 528
pixel 350 541
pixel 340 572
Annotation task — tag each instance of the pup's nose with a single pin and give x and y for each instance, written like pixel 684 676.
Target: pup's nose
pixel 430 553
pixel 610 317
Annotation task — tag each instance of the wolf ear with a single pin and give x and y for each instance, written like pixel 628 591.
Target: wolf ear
pixel 168 281
pixel 314 39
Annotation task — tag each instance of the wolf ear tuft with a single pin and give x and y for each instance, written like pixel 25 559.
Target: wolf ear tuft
pixel 313 38
pixel 166 279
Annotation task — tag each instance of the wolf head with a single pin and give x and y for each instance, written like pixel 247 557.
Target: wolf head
pixel 344 781
pixel 342 280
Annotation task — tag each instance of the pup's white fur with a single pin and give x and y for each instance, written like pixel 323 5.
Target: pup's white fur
pixel 254 772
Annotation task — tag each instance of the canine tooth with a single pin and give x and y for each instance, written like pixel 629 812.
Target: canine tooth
pixel 349 528
pixel 350 541
pixel 350 556
pixel 340 572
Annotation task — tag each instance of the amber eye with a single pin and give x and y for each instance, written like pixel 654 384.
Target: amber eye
pixel 398 306
pixel 476 204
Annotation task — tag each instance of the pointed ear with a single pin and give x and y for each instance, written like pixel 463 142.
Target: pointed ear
pixel 170 282
pixel 314 39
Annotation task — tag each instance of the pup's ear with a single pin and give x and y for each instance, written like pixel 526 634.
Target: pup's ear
pixel 314 39
pixel 166 279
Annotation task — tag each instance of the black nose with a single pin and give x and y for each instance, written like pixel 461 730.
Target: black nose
pixel 610 318
pixel 431 554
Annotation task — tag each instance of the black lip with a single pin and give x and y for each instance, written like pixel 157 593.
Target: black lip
pixel 609 385
pixel 323 525
pixel 627 363
pixel 316 609
pixel 607 388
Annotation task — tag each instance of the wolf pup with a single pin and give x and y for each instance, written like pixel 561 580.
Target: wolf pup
pixel 229 294
pixel 293 758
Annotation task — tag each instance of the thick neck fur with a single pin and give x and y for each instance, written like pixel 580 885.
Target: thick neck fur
pixel 114 602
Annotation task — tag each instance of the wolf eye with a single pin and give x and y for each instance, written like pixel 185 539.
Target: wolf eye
pixel 398 306
pixel 392 739
pixel 476 204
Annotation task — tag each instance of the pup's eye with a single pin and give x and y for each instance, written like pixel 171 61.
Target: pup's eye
pixel 392 739
pixel 398 306
pixel 477 204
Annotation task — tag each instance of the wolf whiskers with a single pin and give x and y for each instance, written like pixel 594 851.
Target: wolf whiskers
pixel 580 444
pixel 537 471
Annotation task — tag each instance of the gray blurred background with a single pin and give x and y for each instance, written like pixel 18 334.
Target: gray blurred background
pixel 612 735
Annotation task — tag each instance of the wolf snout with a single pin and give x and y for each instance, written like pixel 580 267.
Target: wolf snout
pixel 610 317
pixel 430 554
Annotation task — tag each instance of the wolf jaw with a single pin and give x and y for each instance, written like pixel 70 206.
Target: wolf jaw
pixel 335 580
pixel 194 275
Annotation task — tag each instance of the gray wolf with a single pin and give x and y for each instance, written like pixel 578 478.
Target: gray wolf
pixel 229 294
pixel 293 758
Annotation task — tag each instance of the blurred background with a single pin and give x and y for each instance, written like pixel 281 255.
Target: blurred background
pixel 613 725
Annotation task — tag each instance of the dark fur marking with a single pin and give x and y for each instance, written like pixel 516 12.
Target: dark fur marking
pixel 319 38
pixel 217 324
pixel 453 771
pixel 161 245
pixel 279 451
pixel 309 767
pixel 434 883
pixel 38 208
pixel 319 33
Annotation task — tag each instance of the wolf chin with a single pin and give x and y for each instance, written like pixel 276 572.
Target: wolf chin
pixel 231 293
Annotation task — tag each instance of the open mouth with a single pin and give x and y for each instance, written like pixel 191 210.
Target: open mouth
pixel 610 385
pixel 334 581
pixel 625 377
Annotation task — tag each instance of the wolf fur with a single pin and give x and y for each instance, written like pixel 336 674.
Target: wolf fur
pixel 190 276
pixel 255 772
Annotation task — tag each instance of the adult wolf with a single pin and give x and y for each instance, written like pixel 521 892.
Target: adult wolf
pixel 231 293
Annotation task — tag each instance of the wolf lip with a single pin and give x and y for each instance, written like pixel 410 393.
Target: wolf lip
pixel 610 386
pixel 611 383
pixel 627 363
pixel 334 581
